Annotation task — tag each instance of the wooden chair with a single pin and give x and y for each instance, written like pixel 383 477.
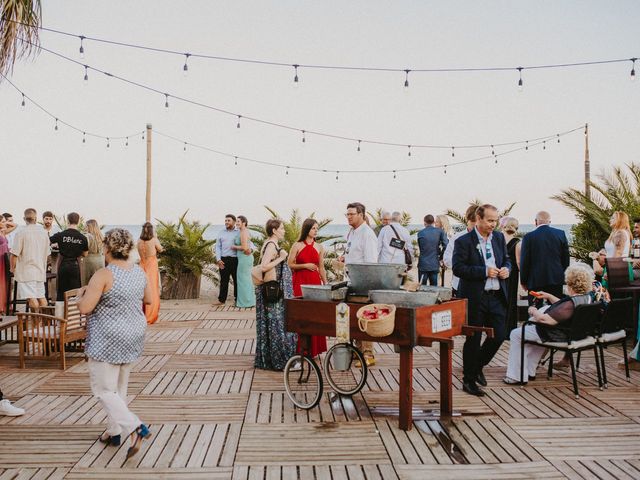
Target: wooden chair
pixel 43 336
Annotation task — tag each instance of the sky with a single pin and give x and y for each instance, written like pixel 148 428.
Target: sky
pixel 53 170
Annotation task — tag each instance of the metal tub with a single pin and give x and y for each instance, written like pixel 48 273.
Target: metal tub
pixel 402 298
pixel 444 293
pixel 364 277
pixel 323 293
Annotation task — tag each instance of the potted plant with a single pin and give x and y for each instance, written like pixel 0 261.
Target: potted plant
pixel 187 256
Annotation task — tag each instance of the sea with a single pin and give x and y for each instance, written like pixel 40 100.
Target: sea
pixel 330 230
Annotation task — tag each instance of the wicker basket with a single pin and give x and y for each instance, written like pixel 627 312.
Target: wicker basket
pixel 382 326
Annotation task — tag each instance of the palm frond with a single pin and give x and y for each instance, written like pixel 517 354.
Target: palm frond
pixel 19 31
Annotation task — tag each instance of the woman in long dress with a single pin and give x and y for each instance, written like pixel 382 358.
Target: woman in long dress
pixel 619 242
pixel 509 226
pixel 115 336
pixel 94 261
pixel 148 249
pixel 306 261
pixel 244 289
pixel 5 229
pixel 274 346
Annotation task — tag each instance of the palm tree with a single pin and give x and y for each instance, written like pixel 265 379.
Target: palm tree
pixel 292 228
pixel 19 34
pixel 462 221
pixel 617 190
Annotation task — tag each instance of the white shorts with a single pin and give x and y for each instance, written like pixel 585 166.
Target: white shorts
pixel 30 290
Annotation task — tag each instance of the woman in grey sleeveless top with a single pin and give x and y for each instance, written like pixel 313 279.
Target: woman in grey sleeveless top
pixel 115 335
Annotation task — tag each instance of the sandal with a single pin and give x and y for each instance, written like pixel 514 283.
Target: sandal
pixel 141 433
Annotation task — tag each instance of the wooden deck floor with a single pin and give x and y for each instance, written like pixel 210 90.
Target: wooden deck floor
pixel 214 417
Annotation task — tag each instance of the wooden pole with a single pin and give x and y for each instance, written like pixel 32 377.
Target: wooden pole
pixel 148 192
pixel 587 164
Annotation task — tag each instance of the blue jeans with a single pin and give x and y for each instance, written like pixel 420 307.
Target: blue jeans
pixel 428 275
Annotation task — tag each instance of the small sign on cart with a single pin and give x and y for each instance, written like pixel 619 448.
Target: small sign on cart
pixel 342 323
pixel 441 321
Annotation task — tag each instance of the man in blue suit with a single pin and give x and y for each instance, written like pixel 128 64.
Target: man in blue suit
pixel 432 241
pixel 481 261
pixel 544 256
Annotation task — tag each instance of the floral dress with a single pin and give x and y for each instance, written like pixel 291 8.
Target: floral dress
pixel 274 346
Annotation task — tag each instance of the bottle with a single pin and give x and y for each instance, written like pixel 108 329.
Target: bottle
pixel 636 248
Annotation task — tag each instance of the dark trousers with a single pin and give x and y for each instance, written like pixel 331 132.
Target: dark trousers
pixel 555 290
pixel 68 277
pixel 430 276
pixel 229 271
pixel 491 313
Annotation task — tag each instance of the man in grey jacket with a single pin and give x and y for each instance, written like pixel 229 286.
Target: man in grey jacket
pixel 432 242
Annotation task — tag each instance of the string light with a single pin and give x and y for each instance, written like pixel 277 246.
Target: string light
pixel 406 80
pixel 185 68
pixel 166 100
pixel 295 78
pixel 184 149
pixel 558 135
pixel 409 150
pixel 84 137
pixel 337 174
pixel 544 145
pixel 238 124
pixel 633 69
pixel 82 37
pixel 126 143
pixel 56 126
pixel 86 75
pixel 520 84
pixel 143 135
pixel 236 161
pixel 304 139
pixel 286 171
pixel 453 151
pixel 394 174
pixel 492 150
pixel 526 146
pixel 445 169
pixel 108 142
pixel 23 102
pixel 359 142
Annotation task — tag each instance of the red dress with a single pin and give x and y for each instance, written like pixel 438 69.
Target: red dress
pixel 309 254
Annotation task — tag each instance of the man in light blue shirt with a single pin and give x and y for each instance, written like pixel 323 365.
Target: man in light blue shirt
pixel 227 258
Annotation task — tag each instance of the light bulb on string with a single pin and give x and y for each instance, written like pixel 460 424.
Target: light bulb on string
pixel 185 68
pixel 143 135
pixel 304 138
pixel 337 175
pixel 633 69
pixel 495 160
pixel 84 138
pixel 526 145
pixel 558 136
pixel 86 75
pixel 108 142
pixel 493 152
pixel 286 171
pixel 238 124
pixel 23 102
pixel 445 169
pixel 166 100
pixel 359 142
pixel 81 46
pixel 394 175
pixel 296 80
pixel 520 83
pixel 406 80
pixel 544 144
pixel 408 150
pixel 184 149
pixel 453 151
pixel 126 142
pixel 56 126
pixel 235 161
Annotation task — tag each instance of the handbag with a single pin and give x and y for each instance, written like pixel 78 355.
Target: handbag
pixel 401 245
pixel 258 277
pixel 272 290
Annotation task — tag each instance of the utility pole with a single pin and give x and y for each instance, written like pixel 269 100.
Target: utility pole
pixel 148 193
pixel 587 164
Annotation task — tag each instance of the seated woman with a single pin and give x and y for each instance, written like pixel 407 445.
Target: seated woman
pixel 552 322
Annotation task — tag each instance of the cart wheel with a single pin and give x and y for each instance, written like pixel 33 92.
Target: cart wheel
pixel 303 381
pixel 345 368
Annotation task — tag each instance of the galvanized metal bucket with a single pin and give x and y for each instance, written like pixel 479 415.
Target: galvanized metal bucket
pixel 341 358
pixel 364 277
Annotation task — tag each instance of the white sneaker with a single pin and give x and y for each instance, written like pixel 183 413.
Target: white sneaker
pixel 9 410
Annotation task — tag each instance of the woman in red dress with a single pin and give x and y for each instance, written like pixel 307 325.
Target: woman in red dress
pixel 306 261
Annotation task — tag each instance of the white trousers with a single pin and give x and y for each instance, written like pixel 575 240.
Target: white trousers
pixel 532 353
pixel 109 385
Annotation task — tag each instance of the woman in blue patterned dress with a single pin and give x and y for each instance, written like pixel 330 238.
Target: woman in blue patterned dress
pixel 274 345
pixel 115 335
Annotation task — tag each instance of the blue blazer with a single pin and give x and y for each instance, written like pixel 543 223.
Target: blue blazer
pixel 432 241
pixel 544 256
pixel 469 265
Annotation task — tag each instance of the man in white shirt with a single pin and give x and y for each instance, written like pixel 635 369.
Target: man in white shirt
pixel 389 240
pixel 447 258
pixel 29 260
pixel 362 247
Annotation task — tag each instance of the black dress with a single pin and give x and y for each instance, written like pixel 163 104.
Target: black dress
pixel 514 280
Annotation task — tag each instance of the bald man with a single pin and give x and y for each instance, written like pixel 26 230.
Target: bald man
pixel 544 257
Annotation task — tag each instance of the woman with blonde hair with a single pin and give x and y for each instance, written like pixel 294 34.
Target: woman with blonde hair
pixel 148 248
pixel 442 222
pixel 94 261
pixel 115 335
pixel 619 242
pixel 509 227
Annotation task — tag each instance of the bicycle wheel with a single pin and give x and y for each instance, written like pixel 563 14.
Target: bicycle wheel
pixel 345 369
pixel 303 381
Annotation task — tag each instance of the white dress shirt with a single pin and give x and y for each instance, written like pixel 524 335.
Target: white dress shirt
pixel 447 258
pixel 387 253
pixel 362 245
